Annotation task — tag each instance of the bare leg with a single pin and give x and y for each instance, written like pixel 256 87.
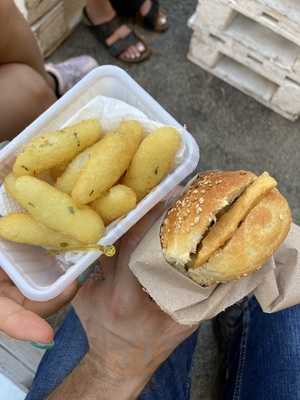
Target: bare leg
pixel 17 42
pixel 27 90
pixel 25 95
pixel 101 11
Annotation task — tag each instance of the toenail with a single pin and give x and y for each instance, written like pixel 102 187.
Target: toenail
pixel 141 47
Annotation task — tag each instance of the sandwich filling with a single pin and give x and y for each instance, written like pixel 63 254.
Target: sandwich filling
pixel 231 218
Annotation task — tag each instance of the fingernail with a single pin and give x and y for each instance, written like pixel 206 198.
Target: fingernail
pixel 83 277
pixel 86 274
pixel 43 346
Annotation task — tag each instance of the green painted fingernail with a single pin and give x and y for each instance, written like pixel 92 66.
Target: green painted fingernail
pixel 83 277
pixel 43 346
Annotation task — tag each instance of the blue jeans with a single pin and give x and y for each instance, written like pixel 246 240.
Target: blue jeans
pixel 262 359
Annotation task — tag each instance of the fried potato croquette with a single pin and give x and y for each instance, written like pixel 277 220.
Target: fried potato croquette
pixel 53 148
pixel 108 163
pixel 68 179
pixel 10 185
pixel 131 129
pixel 57 210
pixel 153 160
pixel 115 203
pixel 22 228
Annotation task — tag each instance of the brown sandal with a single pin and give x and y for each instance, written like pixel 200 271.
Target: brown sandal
pixel 103 31
pixel 153 19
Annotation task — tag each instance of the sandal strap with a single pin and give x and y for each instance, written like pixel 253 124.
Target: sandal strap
pixel 136 5
pixel 150 18
pixel 105 30
pixel 121 45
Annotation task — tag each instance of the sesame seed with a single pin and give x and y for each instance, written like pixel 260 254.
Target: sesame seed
pixel 197 220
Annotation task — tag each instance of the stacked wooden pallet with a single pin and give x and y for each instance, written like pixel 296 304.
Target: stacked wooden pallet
pixel 253 45
pixel 51 20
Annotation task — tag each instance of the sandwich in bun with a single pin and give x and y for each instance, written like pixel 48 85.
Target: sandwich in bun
pixel 225 226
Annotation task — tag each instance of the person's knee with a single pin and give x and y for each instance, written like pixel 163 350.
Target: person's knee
pixel 7 9
pixel 32 84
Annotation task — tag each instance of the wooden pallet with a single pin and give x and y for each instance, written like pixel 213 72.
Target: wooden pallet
pixel 52 21
pixel 281 16
pixel 248 55
pixel 35 9
pixel 283 99
pixel 51 30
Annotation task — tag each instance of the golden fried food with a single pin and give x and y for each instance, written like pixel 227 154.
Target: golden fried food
pixel 51 149
pixel 10 185
pixel 22 228
pixel 57 210
pixel 153 160
pixel 115 203
pixel 107 164
pixel 221 232
pixel 131 129
pixel 68 179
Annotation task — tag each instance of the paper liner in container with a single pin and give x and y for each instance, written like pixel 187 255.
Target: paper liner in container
pixel 276 285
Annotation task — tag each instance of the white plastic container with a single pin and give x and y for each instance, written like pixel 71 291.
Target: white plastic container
pixel 37 274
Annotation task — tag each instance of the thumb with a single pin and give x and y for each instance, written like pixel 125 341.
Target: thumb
pixel 22 324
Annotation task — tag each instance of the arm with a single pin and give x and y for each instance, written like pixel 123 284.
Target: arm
pixel 129 335
pixel 90 378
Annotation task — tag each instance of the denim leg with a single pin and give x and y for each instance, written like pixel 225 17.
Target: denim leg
pixel 264 356
pixel 71 345
pixel 173 379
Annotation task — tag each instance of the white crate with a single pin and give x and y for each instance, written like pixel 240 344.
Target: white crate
pixel 278 60
pixel 51 30
pixel 237 31
pixel 35 9
pixel 36 273
pixel 282 16
pixel 246 75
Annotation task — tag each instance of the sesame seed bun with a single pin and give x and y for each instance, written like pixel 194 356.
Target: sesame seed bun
pixel 226 225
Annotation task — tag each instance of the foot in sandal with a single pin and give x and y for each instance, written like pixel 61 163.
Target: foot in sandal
pixel 122 42
pixel 151 15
